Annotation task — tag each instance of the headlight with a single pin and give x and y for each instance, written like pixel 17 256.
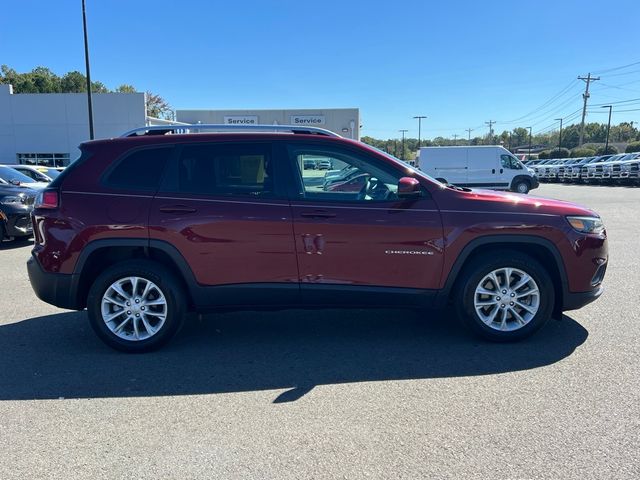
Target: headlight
pixel 586 224
pixel 12 200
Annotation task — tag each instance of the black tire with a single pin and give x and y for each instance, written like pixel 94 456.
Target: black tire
pixel 166 282
pixel 470 278
pixel 1 232
pixel 521 186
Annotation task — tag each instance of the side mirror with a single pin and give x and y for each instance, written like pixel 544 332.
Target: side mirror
pixel 409 188
pixel 14 182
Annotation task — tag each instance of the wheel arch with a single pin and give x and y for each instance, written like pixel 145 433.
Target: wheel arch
pixel 99 254
pixel 543 250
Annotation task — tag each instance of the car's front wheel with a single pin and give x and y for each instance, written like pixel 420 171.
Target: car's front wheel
pixel 136 306
pixel 522 186
pixel 505 297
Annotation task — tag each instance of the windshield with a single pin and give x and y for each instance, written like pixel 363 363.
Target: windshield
pixel 409 168
pixel 8 174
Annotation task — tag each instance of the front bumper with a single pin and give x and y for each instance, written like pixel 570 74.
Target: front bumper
pixel 58 289
pixel 576 300
pixel 17 224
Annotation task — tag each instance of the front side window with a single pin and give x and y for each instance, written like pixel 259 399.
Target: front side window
pixel 510 162
pixel 244 170
pixel 344 175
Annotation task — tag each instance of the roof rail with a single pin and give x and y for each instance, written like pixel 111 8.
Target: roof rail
pixel 211 127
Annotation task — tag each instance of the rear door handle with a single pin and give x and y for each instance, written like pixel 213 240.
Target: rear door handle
pixel 493 170
pixel 177 209
pixel 318 214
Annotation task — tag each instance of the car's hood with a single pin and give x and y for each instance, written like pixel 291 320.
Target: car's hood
pixel 508 202
pixel 15 189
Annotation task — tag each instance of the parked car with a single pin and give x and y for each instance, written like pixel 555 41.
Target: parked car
pixel 324 164
pixel 16 205
pixel 627 169
pixel 595 169
pixel 11 176
pixel 614 164
pixel 37 174
pixel 484 167
pixel 143 228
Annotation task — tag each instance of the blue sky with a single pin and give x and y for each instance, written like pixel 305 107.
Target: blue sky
pixel 459 63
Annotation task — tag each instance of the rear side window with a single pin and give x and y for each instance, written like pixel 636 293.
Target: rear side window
pixel 140 170
pixel 222 169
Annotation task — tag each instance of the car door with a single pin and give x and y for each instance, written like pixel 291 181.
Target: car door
pixel 221 207
pixel 509 168
pixel 370 240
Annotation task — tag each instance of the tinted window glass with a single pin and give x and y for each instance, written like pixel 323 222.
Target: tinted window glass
pixel 141 170
pixel 510 162
pixel 226 170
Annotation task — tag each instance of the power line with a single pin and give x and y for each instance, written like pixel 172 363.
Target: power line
pixel 617 68
pixel 558 95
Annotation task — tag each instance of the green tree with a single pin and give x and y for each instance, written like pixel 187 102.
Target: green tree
pixel 158 107
pixel 73 82
pixel 125 88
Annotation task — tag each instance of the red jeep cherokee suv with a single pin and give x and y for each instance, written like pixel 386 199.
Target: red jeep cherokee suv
pixel 142 228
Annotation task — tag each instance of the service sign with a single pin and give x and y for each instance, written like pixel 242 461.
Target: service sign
pixel 308 120
pixel 241 120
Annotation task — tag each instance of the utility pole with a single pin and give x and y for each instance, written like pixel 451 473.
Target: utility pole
pixel 588 79
pixel 529 157
pixel 509 141
pixel 419 117
pixel 560 138
pixel 606 145
pixel 469 130
pixel 403 132
pixel 490 123
pixel 86 60
pixel 455 138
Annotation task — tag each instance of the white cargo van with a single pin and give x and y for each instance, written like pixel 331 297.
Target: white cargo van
pixel 488 166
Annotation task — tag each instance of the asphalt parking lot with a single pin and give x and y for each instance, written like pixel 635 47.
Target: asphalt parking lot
pixel 330 394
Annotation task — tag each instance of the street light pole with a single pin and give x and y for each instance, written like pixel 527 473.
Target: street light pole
pixel 606 145
pixel 469 130
pixel 403 132
pixel 419 117
pixel 560 138
pixel 86 59
pixel 529 157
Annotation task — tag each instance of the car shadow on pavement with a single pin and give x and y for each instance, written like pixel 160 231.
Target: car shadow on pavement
pixel 16 243
pixel 58 356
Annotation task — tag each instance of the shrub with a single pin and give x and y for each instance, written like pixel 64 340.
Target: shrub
pixel 633 147
pixel 544 155
pixel 582 152
pixel 559 153
pixel 610 151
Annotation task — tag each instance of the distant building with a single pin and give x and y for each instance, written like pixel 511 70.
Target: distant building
pixel 343 121
pixel 48 127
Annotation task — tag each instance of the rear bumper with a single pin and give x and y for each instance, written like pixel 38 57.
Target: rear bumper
pixel 576 300
pixel 58 289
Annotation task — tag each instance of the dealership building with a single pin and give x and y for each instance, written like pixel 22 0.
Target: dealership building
pixel 46 128
pixel 343 121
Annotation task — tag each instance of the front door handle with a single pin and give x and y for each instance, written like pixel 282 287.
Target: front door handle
pixel 177 209
pixel 500 170
pixel 318 214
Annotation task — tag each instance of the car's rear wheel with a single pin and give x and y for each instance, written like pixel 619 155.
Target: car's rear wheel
pixel 136 306
pixel 505 297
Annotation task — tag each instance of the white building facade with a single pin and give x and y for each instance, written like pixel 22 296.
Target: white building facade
pixel 46 128
pixel 343 121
